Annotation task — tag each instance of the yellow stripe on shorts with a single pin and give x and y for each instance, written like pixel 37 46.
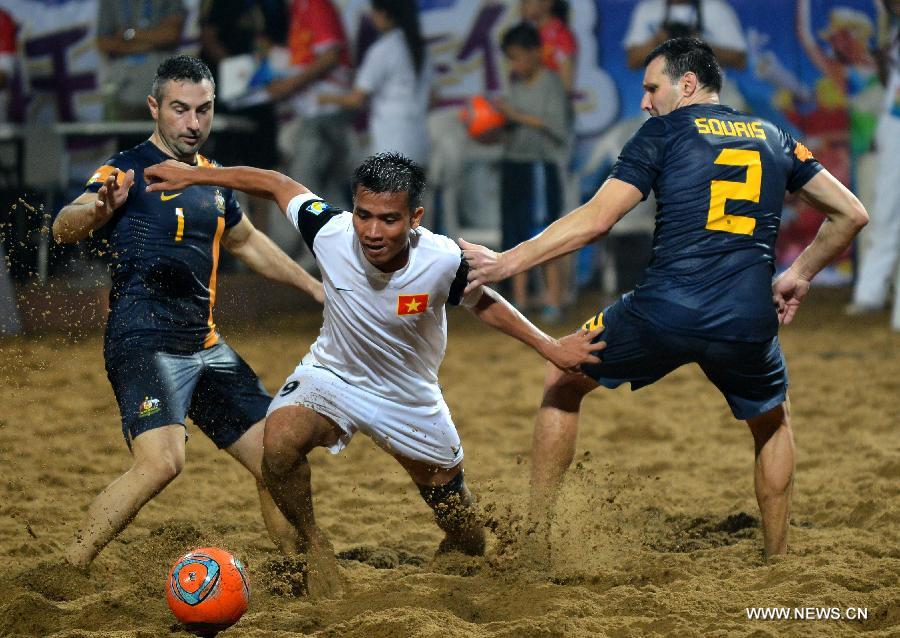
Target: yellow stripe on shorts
pixel 594 323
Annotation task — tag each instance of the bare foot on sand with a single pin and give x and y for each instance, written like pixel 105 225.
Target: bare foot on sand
pixel 323 576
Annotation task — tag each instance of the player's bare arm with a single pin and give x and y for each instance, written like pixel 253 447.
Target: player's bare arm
pixel 263 256
pixel 567 354
pixel 585 224
pixel 90 211
pixel 174 175
pixel 845 216
pixel 252 247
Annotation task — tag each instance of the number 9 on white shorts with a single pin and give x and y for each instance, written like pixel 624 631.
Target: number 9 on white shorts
pixel 423 433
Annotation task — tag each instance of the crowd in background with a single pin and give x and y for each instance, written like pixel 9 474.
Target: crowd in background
pixel 319 102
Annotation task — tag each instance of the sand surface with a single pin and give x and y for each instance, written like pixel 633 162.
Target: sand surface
pixel 658 532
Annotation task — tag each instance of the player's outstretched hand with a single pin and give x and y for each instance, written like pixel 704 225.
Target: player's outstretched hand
pixel 170 175
pixel 788 290
pixel 114 192
pixel 577 349
pixel 485 266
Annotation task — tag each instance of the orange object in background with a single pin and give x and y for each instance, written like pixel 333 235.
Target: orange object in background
pixel 482 119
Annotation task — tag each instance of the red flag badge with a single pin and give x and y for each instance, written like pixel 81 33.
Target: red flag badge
pixel 412 304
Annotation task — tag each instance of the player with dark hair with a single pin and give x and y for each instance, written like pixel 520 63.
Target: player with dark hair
pixel 164 357
pixel 374 366
pixel 719 177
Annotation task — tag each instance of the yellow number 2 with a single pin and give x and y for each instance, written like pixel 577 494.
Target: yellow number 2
pixel 722 190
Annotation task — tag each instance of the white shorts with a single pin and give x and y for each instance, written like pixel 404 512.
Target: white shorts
pixel 423 433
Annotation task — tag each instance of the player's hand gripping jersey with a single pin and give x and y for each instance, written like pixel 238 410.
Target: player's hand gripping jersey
pixel 719 177
pixel 165 252
pixel 383 332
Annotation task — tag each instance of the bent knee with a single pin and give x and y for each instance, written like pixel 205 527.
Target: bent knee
pixel 163 468
pixel 565 391
pixel 290 434
pixel 764 426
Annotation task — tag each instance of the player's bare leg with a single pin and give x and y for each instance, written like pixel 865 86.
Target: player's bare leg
pixel 248 450
pixel 774 474
pixel 552 450
pixel 158 459
pixel 291 433
pixel 453 504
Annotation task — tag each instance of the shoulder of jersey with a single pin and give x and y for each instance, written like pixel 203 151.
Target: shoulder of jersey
pixel 341 221
pixel 442 248
pixel 128 156
pixel 205 161
pixel 657 125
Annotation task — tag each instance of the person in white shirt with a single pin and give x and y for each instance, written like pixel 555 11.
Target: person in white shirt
pixel 713 21
pixel 374 366
pixel 394 79
pixel 879 267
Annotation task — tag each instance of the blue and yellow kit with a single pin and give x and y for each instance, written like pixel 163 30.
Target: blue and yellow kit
pixel 165 253
pixel 719 177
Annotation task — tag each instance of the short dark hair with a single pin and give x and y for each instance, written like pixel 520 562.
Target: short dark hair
pixel 689 54
pixel 523 35
pixel 391 173
pixel 181 67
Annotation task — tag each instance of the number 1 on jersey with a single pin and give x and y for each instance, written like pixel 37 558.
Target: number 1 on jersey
pixel 179 231
pixel 721 191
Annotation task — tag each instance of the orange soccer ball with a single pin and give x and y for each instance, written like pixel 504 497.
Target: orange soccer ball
pixel 208 590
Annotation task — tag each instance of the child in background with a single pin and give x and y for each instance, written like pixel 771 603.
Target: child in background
pixel 531 197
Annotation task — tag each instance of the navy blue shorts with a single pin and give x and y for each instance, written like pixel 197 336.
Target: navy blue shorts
pixel 751 376
pixel 215 387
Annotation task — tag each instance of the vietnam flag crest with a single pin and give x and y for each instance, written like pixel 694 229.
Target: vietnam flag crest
pixel 412 304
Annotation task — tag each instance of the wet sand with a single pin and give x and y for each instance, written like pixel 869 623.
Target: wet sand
pixel 658 533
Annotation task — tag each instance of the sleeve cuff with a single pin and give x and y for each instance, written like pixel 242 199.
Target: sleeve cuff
pixel 294 206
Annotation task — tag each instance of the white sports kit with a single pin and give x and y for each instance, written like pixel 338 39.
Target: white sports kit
pixel 374 366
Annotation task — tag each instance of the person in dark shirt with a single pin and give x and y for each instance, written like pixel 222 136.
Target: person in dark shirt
pixel 238 27
pixel 719 177
pixel 164 357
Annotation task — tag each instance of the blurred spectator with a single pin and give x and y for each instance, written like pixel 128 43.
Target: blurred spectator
pixel 136 37
pixel 7 58
pixel 9 316
pixel 558 52
pixel 714 21
pixel 879 264
pixel 531 194
pixel 236 27
pixel 395 80
pixel 558 45
pixel 239 27
pixel 231 28
pixel 317 140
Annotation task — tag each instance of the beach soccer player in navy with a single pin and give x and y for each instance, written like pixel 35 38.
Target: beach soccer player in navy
pixel 164 356
pixel 707 297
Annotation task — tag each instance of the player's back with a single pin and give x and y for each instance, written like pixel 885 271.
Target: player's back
pixel 719 177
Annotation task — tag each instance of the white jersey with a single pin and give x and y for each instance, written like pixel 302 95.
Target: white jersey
pixel 383 332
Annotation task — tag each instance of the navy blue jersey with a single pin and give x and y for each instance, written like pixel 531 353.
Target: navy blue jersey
pixel 165 251
pixel 719 177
